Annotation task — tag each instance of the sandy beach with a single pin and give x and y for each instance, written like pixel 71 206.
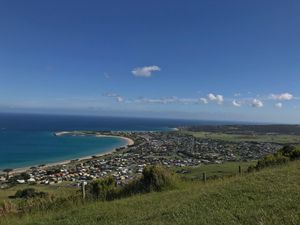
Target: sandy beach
pixel 65 162
pixel 129 141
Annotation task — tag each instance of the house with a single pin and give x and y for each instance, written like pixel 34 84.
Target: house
pixel 31 180
pixel 21 181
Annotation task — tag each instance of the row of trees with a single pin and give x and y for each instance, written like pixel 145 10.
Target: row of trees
pixel 282 156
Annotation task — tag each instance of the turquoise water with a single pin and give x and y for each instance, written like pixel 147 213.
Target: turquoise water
pixel 28 140
pixel 34 148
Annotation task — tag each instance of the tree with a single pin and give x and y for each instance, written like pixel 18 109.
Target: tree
pixel 7 171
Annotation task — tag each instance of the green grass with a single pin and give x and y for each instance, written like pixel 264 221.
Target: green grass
pixel 57 190
pixel 270 196
pixel 215 170
pixel 282 139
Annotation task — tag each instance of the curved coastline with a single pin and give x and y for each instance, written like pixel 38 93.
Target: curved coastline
pixel 129 142
pixel 62 133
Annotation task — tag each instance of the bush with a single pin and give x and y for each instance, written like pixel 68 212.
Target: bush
pixel 130 188
pixel 295 154
pixel 103 189
pixel 30 193
pixel 156 178
pixel 290 151
pixel 269 160
pixel 272 160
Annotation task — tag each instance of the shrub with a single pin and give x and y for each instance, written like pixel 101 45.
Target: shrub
pixel 295 154
pixel 290 151
pixel 29 193
pixel 130 188
pixel 156 178
pixel 270 160
pixel 103 189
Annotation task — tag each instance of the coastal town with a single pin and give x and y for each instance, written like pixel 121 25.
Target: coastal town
pixel 173 149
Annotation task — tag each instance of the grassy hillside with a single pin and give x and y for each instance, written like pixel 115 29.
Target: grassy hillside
pixel 270 196
pixel 57 190
pixel 215 170
pixel 271 138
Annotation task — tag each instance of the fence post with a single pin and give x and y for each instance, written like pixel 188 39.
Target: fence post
pixel 83 189
pixel 204 177
pixel 240 170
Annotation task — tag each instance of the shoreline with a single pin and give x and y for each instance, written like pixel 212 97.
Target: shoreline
pixel 76 133
pixel 129 141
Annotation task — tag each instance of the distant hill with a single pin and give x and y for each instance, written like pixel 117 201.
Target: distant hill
pixel 249 129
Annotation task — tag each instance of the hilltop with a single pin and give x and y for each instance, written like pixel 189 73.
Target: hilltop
pixel 270 196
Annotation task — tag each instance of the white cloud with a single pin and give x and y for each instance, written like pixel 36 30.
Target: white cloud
pixel 115 96
pixel 145 71
pixel 203 100
pixel 236 103
pixel 157 100
pixel 211 97
pixel 278 105
pixel 187 100
pixel 111 94
pixel 257 103
pixel 172 100
pixel 282 97
pixel 119 99
pixel 218 98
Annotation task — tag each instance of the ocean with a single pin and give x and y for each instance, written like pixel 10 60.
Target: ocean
pixel 28 140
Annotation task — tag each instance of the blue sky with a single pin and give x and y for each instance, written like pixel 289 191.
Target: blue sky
pixel 214 59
